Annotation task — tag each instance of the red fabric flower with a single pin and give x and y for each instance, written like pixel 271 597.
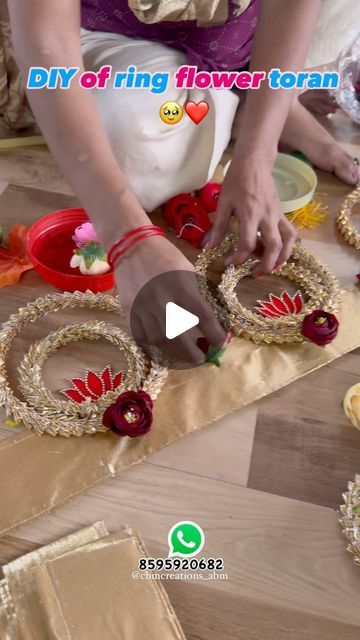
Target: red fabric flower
pixel 94 386
pixel 130 415
pixel 192 223
pixel 320 327
pixel 209 196
pixel 174 206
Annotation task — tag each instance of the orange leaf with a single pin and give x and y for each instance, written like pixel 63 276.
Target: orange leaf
pixel 17 241
pixel 11 273
pixel 13 259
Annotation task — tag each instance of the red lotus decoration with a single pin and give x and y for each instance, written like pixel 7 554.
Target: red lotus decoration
pixel 94 386
pixel 285 305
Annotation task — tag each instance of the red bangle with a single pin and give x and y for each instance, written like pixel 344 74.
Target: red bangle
pixel 127 236
pixel 130 239
pixel 132 242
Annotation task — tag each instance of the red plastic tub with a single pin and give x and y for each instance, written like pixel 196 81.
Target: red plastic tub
pixel 50 247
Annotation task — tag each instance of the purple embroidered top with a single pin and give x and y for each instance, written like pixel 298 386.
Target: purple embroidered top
pixel 216 48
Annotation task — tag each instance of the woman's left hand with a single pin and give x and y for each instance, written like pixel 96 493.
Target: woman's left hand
pixel 249 193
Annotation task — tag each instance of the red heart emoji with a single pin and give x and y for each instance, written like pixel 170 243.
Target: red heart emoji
pixel 197 111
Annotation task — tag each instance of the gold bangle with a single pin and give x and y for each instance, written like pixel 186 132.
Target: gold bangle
pixel 320 286
pixel 347 229
pixel 350 520
pixel 42 411
pixel 137 377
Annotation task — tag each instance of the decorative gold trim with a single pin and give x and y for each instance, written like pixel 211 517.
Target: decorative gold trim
pixel 321 287
pixel 347 229
pixel 43 412
pixel 350 520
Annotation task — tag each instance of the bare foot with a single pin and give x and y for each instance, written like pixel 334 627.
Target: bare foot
pixel 318 102
pixel 303 133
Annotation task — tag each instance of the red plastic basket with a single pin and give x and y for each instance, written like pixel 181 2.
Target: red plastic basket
pixel 50 248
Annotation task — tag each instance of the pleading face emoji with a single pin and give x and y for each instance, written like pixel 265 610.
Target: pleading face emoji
pixel 171 112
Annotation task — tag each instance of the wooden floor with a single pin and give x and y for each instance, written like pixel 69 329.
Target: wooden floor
pixel 265 483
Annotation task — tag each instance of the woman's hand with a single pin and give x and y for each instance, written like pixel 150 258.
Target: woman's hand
pixel 249 194
pixel 154 257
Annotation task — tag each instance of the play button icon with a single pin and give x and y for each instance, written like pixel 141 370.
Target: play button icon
pixel 168 317
pixel 178 320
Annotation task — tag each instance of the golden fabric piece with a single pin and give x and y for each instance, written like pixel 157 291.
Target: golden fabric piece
pixel 63 589
pixel 9 628
pixel 23 616
pixel 14 108
pixel 90 593
pixel 62 468
pixel 205 12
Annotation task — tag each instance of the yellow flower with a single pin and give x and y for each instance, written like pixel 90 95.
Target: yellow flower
pixel 352 405
pixel 11 423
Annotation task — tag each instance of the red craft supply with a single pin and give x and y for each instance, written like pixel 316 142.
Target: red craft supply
pixel 51 247
pixel 130 239
pixel 174 206
pixel 209 196
pixel 192 224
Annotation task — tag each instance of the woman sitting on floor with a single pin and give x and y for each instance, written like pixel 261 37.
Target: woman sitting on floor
pixel 123 161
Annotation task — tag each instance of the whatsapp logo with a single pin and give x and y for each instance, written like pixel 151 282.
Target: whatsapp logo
pixel 185 539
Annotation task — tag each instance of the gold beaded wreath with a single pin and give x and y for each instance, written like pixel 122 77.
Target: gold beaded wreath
pixel 343 221
pixel 350 520
pixel 42 411
pixel 321 287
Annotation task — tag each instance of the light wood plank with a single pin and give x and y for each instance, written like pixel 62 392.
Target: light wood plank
pixel 33 167
pixel 230 439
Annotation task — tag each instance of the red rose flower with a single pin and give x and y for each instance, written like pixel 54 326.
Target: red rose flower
pixel 320 327
pixel 209 196
pixel 174 206
pixel 192 223
pixel 130 415
pixel 358 276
